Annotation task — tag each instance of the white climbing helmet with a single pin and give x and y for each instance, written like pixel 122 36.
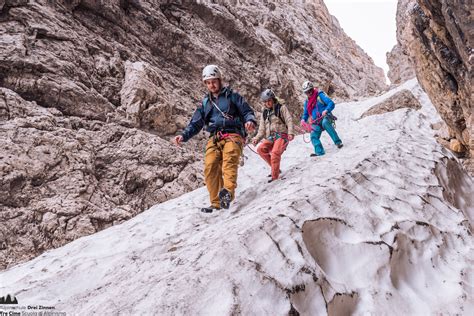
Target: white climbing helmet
pixel 307 85
pixel 211 72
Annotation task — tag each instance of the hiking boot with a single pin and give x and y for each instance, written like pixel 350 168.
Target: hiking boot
pixel 313 155
pixel 270 175
pixel 225 198
pixel 280 178
pixel 209 209
pixel 339 145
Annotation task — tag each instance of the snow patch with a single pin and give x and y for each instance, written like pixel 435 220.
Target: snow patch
pixel 383 225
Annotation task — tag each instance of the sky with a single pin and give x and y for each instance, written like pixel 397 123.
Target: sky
pixel 371 23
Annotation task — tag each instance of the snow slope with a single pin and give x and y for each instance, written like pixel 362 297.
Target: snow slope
pixel 382 225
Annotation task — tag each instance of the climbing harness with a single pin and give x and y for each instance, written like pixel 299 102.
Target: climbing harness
pixel 275 136
pixel 319 119
pixel 232 136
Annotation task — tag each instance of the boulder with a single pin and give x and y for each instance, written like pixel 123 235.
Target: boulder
pixel 400 100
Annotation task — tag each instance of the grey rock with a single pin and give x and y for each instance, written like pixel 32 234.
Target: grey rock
pixel 400 100
pixel 71 55
pixel 400 67
pixel 398 60
pixel 66 177
pixel 440 47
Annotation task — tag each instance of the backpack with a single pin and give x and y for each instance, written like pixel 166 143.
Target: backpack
pixel 266 113
pixel 331 116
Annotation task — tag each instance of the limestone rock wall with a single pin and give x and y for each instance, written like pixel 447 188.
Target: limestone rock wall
pixel 443 59
pixel 92 91
pixel 63 177
pixel 401 68
pixel 439 44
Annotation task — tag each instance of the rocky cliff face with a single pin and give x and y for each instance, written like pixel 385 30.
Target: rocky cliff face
pixel 91 92
pixel 62 53
pixel 63 177
pixel 440 47
pixel 401 68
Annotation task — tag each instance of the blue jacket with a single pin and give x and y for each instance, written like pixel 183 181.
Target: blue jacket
pixel 324 103
pixel 232 104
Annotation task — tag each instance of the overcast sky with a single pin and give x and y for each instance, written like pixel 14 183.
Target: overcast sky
pixel 371 23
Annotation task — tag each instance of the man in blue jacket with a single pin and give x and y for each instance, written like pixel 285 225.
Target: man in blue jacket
pixel 318 107
pixel 227 116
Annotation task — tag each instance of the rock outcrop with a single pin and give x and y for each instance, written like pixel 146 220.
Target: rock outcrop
pixel 93 90
pixel 65 53
pixel 65 177
pixel 441 48
pixel 400 100
pixel 401 68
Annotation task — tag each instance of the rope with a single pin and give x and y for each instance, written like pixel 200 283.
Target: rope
pixel 251 147
pixel 304 132
pixel 304 138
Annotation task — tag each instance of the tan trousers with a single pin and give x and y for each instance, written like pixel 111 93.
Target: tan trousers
pixel 220 166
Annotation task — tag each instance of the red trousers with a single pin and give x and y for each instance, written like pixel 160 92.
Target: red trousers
pixel 271 152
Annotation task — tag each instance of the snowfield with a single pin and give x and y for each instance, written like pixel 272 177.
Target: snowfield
pixel 382 226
